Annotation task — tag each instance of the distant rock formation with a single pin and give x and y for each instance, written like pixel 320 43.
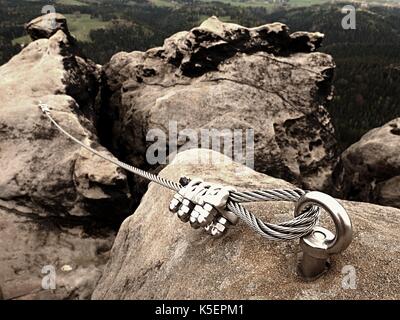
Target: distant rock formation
pixel 47 25
pixel 225 76
pixel 56 200
pixel 156 256
pixel 369 169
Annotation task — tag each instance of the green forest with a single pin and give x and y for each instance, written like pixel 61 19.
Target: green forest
pixel 367 80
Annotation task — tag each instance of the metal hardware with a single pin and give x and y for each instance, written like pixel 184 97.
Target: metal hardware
pixel 45 108
pixel 293 229
pixel 205 214
pixel 321 243
pixel 230 216
pixel 218 227
pixel 182 201
pixel 185 210
pixel 203 205
pixel 175 203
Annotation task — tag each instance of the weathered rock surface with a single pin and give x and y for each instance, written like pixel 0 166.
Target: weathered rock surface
pixel 225 76
pixel 40 166
pixel 155 256
pixel 43 172
pixel 31 246
pixel 369 169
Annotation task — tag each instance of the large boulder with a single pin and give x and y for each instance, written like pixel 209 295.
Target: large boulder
pixel 369 169
pixel 225 76
pixel 64 191
pixel 156 256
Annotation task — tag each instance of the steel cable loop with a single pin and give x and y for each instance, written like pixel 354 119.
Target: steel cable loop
pixel 288 230
pixel 274 231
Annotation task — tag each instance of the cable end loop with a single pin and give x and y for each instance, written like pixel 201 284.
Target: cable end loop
pixel 45 108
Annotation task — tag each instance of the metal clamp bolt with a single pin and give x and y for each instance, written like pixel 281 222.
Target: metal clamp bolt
pixel 204 205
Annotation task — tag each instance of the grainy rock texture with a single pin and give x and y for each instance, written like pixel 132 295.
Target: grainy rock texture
pixel 52 193
pixel 156 256
pixel 369 170
pixel 31 246
pixel 40 166
pixel 225 76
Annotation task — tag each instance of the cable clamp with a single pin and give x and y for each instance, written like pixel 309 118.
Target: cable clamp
pixel 203 205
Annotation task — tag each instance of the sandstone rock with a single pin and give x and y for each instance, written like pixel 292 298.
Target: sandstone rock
pixel 41 167
pixel 32 245
pixel 370 168
pixel 225 76
pixel 62 188
pixel 47 25
pixel 155 256
pixel 388 192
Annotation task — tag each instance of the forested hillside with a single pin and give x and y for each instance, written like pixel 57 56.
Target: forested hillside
pixel 367 84
pixel 368 58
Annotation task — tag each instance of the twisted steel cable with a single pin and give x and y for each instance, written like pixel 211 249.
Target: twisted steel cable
pixel 288 230
pixel 267 195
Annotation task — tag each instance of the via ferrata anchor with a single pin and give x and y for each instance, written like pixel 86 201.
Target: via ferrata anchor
pixel 320 244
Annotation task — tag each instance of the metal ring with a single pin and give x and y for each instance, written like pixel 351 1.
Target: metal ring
pixel 344 229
